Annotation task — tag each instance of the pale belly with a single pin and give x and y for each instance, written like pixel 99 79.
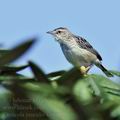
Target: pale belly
pixel 79 57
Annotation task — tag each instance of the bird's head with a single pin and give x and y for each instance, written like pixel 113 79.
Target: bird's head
pixel 61 34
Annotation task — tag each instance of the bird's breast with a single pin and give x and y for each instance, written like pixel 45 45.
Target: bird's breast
pixel 78 56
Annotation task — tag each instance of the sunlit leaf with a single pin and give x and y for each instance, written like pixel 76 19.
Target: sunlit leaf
pixel 94 84
pixel 109 89
pixel 116 111
pixel 105 82
pixel 82 92
pixel 53 108
pixel 46 89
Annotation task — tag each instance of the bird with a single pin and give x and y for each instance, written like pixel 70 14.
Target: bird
pixel 78 51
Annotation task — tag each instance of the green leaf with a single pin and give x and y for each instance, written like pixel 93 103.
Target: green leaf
pixel 4 52
pixel 82 92
pixel 116 111
pixel 5 96
pixel 92 80
pixel 57 73
pixel 70 77
pixel 105 82
pixel 21 105
pixel 78 108
pixel 53 108
pixel 12 69
pixel 16 52
pixel 6 79
pixel 45 97
pixel 109 90
pixel 117 73
pixel 5 108
pixel 45 89
pixel 38 73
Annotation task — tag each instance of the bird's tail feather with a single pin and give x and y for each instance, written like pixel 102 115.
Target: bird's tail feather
pixel 105 70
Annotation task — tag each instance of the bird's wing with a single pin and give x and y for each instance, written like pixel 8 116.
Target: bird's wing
pixel 86 45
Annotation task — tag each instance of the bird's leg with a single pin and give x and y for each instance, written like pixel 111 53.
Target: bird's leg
pixel 84 70
pixel 88 68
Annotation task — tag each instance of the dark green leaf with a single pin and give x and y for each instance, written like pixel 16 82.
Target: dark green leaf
pixel 78 108
pixel 108 89
pixel 45 89
pixel 92 80
pixel 12 69
pixel 4 52
pixel 82 92
pixel 16 52
pixel 70 77
pixel 5 98
pixel 85 111
pixel 117 73
pixel 116 112
pixel 38 73
pixel 6 79
pixel 57 73
pixel 54 108
pixel 105 82
pixel 24 108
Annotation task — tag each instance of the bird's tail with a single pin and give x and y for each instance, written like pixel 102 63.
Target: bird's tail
pixel 109 74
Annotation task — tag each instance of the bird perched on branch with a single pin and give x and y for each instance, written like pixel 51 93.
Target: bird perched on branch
pixel 78 51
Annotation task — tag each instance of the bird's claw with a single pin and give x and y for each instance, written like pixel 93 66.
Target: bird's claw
pixel 84 70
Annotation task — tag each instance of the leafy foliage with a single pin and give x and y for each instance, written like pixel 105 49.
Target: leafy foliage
pixel 61 95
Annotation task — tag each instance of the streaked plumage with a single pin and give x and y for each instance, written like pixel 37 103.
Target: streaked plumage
pixel 86 45
pixel 77 50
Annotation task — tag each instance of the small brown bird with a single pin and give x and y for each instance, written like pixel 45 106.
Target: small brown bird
pixel 78 51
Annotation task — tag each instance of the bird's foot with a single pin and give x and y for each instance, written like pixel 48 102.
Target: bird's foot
pixel 84 70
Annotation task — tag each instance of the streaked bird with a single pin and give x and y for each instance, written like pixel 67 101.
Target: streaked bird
pixel 78 51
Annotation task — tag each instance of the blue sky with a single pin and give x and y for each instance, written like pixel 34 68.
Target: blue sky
pixel 97 21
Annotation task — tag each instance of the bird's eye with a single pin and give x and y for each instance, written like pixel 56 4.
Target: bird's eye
pixel 58 32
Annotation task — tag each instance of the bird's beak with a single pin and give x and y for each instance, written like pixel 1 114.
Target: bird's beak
pixel 50 32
